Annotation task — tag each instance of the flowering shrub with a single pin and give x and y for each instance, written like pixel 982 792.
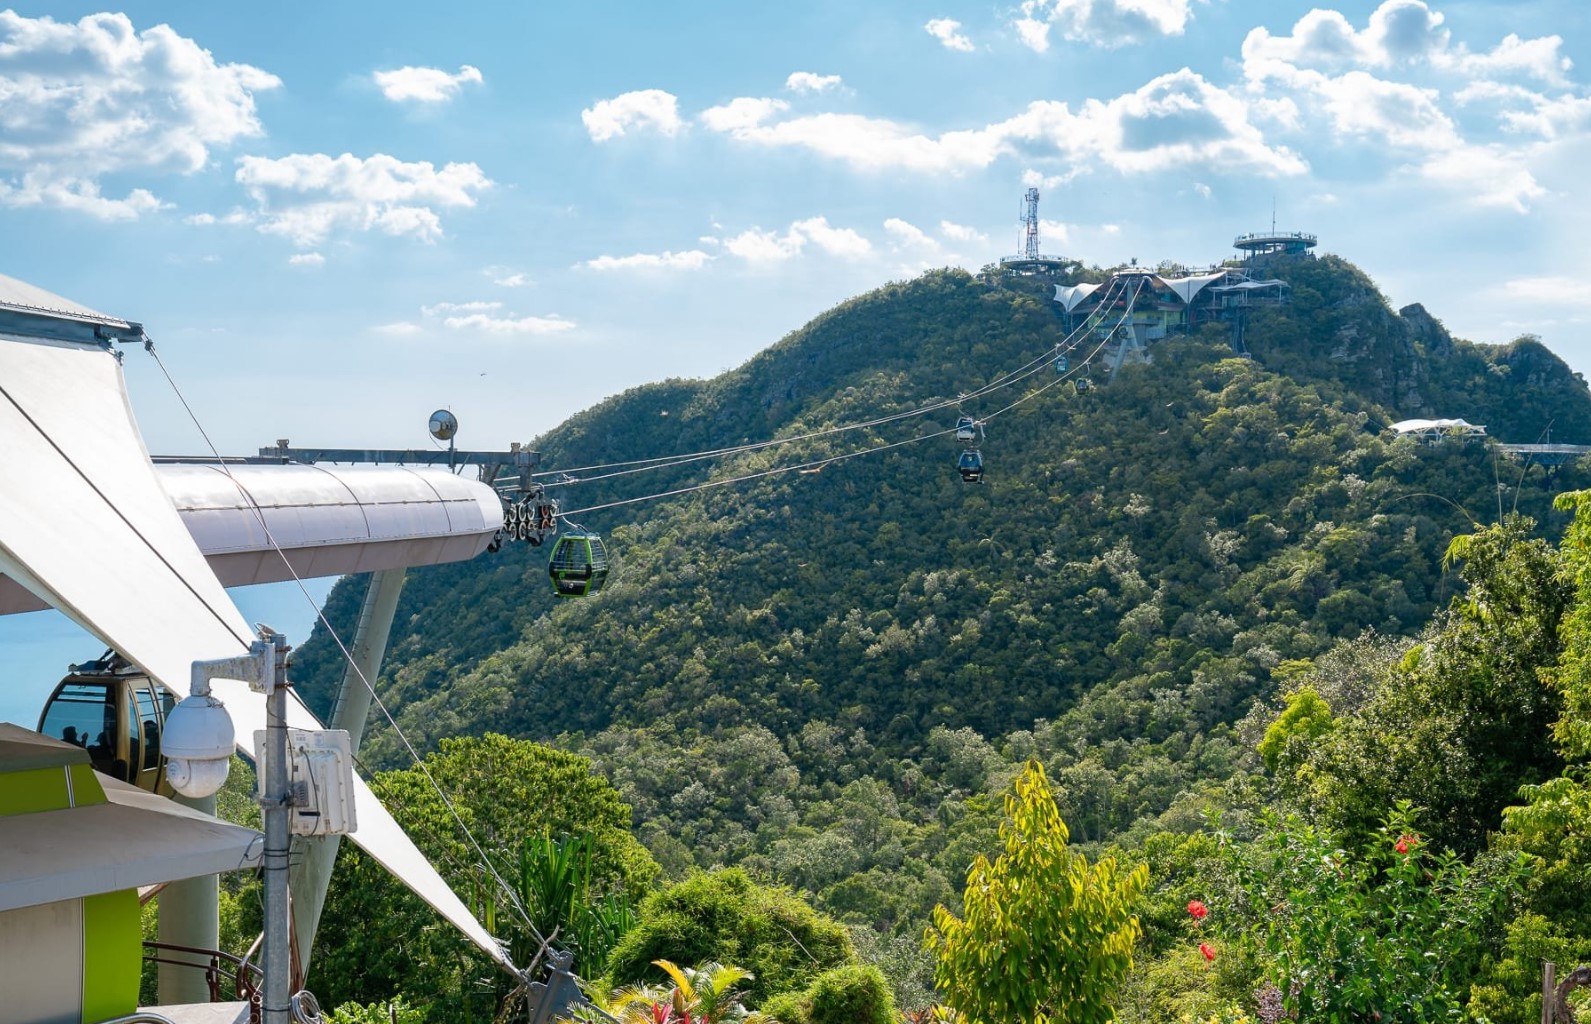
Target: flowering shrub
pixel 1392 934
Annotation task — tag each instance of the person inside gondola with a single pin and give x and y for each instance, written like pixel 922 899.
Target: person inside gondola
pixel 69 734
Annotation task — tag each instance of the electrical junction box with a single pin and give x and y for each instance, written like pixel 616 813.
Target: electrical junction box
pixel 320 777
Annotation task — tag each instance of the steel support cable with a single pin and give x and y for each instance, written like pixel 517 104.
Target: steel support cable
pixel 794 467
pixel 667 461
pixel 347 655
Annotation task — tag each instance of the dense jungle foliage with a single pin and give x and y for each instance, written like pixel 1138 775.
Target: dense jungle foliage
pixel 1208 585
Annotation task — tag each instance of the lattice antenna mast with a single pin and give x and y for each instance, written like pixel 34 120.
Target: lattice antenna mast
pixel 1030 222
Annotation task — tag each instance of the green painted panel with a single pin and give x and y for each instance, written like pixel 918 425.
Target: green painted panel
pixel 86 788
pixel 112 955
pixel 38 789
pixel 44 789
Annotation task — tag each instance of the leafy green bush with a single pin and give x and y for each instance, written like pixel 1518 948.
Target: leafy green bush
pixel 723 916
pixel 857 994
pixel 789 1008
pixel 375 1013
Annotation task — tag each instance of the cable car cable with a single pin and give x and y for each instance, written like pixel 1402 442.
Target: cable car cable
pixel 667 461
pixel 795 467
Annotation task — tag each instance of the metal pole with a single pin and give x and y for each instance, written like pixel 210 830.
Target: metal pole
pixel 1549 995
pixel 275 803
pixel 189 916
pixel 311 872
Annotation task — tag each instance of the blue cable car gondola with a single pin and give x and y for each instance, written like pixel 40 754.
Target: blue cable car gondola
pixel 971 466
pixel 578 564
pixel 1062 364
pixel 966 428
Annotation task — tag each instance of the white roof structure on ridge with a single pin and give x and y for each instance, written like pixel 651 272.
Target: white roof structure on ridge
pixel 1436 426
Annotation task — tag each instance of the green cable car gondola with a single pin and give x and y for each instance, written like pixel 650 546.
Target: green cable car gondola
pixel 578 564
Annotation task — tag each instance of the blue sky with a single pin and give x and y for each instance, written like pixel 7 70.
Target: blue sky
pixel 334 218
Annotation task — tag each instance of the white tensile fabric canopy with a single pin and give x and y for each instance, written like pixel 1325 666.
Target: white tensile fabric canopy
pixel 89 847
pixel 87 528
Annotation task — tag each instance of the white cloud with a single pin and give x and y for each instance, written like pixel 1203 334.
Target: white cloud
pixel 1053 231
pixel 909 234
pixel 509 325
pixel 1397 31
pixel 654 108
pixel 761 247
pixel 79 100
pixel 1035 34
pixel 80 195
pixel 1403 32
pixel 1560 290
pixel 835 241
pixel 948 32
pixel 209 219
pixel 742 114
pixel 961 233
pixel 1299 80
pixel 807 81
pixel 400 329
pixel 306 259
pixel 449 308
pixel 505 277
pixel 1202 190
pixel 307 196
pixel 1487 175
pixel 691 259
pixel 1171 121
pixel 482 317
pixel 1038 179
pixel 1107 23
pixel 424 85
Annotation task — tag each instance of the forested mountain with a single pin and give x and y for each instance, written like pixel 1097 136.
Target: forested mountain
pixel 1178 531
pixel 821 676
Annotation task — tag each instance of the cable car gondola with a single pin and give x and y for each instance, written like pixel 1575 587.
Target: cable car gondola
pixel 578 564
pixel 116 713
pixel 1062 364
pixel 966 428
pixel 971 466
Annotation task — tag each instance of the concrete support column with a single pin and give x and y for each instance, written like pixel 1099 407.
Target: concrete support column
pixel 314 857
pixel 190 915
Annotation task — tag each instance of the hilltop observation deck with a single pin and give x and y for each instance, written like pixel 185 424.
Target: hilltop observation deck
pixel 1263 244
pixel 1036 264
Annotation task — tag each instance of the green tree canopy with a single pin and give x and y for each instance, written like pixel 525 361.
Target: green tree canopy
pixel 1045 936
pixel 724 916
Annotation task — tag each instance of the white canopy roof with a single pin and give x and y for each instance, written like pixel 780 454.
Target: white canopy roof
pixel 327 520
pixel 86 527
pixel 1070 295
pixel 136 839
pixel 1187 287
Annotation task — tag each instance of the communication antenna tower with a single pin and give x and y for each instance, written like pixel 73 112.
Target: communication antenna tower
pixel 1030 223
